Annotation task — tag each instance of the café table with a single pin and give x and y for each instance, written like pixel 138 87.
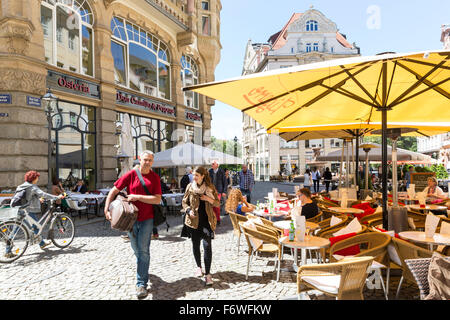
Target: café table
pixel 309 243
pixel 438 239
pixel 266 215
pixel 104 191
pixel 287 224
pixel 88 196
pixel 278 199
pixel 428 207
pixel 346 210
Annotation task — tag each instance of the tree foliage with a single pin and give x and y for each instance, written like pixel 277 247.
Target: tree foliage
pixel 407 143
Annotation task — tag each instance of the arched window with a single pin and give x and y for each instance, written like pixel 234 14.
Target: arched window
pixel 68 34
pixel 189 77
pixel 141 60
pixel 312 25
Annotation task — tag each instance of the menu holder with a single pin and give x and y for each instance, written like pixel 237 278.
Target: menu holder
pixel 300 228
pixel 422 198
pixel 275 193
pixel 431 223
pixel 296 189
pixel 344 199
pixel 445 228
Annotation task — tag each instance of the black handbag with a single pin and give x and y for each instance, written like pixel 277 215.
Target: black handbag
pixel 159 214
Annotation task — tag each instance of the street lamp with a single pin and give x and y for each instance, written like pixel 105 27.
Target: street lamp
pixel 50 100
pixel 235 146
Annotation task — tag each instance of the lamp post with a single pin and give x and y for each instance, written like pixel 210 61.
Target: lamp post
pixel 50 100
pixel 235 146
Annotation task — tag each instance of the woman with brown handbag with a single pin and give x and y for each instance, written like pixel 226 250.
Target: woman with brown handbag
pixel 200 222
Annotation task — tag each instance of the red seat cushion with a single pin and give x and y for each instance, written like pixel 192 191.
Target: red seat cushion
pixel 350 251
pixel 368 210
pixel 328 199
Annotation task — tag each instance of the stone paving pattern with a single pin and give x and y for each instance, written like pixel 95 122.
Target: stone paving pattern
pixel 100 265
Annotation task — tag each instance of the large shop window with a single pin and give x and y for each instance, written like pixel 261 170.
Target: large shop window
pixel 68 35
pixel 189 77
pixel 74 133
pixel 141 60
pixel 149 134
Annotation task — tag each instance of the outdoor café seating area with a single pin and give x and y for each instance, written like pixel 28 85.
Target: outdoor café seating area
pixel 345 249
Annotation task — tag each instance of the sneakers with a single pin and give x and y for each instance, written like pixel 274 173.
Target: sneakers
pixel 45 244
pixel 155 236
pixel 141 292
pixel 208 280
pixel 198 272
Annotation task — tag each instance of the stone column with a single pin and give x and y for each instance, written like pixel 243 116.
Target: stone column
pixel 23 134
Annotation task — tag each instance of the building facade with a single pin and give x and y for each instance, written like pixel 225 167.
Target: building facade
pixel 306 38
pixel 102 59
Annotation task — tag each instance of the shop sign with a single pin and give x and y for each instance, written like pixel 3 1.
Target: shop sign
pixel 33 101
pixel 193 116
pixel 146 104
pixel 63 82
pixel 5 98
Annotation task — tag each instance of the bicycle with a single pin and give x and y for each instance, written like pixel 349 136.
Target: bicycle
pixel 17 234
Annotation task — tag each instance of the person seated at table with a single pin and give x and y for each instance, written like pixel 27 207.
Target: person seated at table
pixel 173 184
pixel 433 190
pixel 237 203
pixel 309 207
pixel 80 187
pixel 57 188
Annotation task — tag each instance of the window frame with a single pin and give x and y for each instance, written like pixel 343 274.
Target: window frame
pixel 54 8
pixel 156 42
pixel 196 76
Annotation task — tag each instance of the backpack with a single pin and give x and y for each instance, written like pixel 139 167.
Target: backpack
pixel 19 199
pixel 184 182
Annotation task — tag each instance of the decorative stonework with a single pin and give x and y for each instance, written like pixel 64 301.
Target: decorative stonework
pixel 18 35
pixel 21 80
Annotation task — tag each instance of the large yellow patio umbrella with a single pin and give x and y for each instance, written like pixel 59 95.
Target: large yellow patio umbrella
pixel 413 87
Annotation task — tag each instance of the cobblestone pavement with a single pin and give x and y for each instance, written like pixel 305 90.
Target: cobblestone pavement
pixel 100 265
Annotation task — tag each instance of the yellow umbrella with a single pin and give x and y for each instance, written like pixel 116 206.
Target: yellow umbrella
pixel 413 87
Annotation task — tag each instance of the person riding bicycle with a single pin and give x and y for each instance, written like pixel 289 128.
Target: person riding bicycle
pixel 33 197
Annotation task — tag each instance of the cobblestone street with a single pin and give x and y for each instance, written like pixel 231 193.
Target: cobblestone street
pixel 100 265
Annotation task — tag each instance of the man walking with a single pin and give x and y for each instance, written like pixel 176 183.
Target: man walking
pixel 220 182
pixel 142 229
pixel 246 182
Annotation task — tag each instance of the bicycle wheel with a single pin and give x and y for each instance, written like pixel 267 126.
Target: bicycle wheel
pixel 62 231
pixel 13 241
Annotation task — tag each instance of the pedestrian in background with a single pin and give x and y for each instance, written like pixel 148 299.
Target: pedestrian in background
pixel 229 181
pixel 316 179
pixel 327 177
pixel 307 180
pixel 246 182
pixel 198 202
pixel 218 179
pixel 140 236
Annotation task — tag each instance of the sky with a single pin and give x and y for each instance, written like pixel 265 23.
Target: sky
pixel 403 26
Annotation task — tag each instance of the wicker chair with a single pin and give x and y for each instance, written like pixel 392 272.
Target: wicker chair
pixel 375 245
pixel 344 280
pixel 375 222
pixel 406 251
pixel 317 218
pixel 419 269
pixel 328 232
pixel 235 219
pixel 270 244
pixel 326 222
pixel 418 218
pixel 371 217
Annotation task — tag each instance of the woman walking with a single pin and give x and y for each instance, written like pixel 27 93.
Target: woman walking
pixel 198 202
pixel 307 181
pixel 328 177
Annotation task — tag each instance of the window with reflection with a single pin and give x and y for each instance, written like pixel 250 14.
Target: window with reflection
pixel 141 60
pixel 189 77
pixel 74 130
pixel 68 34
pixel 312 25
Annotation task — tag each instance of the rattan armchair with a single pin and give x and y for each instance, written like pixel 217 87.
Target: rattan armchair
pixel 407 250
pixel 270 244
pixel 370 217
pixel 235 219
pixel 328 232
pixel 418 218
pixel 343 280
pixel 317 218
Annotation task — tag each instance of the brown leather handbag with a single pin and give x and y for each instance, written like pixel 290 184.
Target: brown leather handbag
pixel 123 214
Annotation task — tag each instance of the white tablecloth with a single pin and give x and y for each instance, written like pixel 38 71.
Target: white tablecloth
pixel 87 196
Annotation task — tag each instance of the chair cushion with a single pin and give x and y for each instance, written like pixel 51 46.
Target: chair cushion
pixel 329 284
pixel 328 199
pixel 350 251
pixel 368 210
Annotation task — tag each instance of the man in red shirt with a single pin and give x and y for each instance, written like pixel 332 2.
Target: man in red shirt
pixel 142 229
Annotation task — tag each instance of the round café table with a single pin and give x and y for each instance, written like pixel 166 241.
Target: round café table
pixel 268 216
pixel 346 210
pixel 278 199
pixel 418 236
pixel 310 243
pixel 287 224
pixel 428 207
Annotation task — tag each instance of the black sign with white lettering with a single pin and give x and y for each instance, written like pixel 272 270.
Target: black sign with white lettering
pixel 66 83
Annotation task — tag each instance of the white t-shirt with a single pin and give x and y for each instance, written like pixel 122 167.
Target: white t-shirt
pixel 307 181
pixel 438 191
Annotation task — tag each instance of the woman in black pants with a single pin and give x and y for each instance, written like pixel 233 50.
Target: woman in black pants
pixel 200 222
pixel 327 177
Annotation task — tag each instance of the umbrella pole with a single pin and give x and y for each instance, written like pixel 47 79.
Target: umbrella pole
pixel 353 165
pixel 394 173
pixel 341 167
pixel 347 168
pixel 384 160
pixel 367 171
pixel 357 159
